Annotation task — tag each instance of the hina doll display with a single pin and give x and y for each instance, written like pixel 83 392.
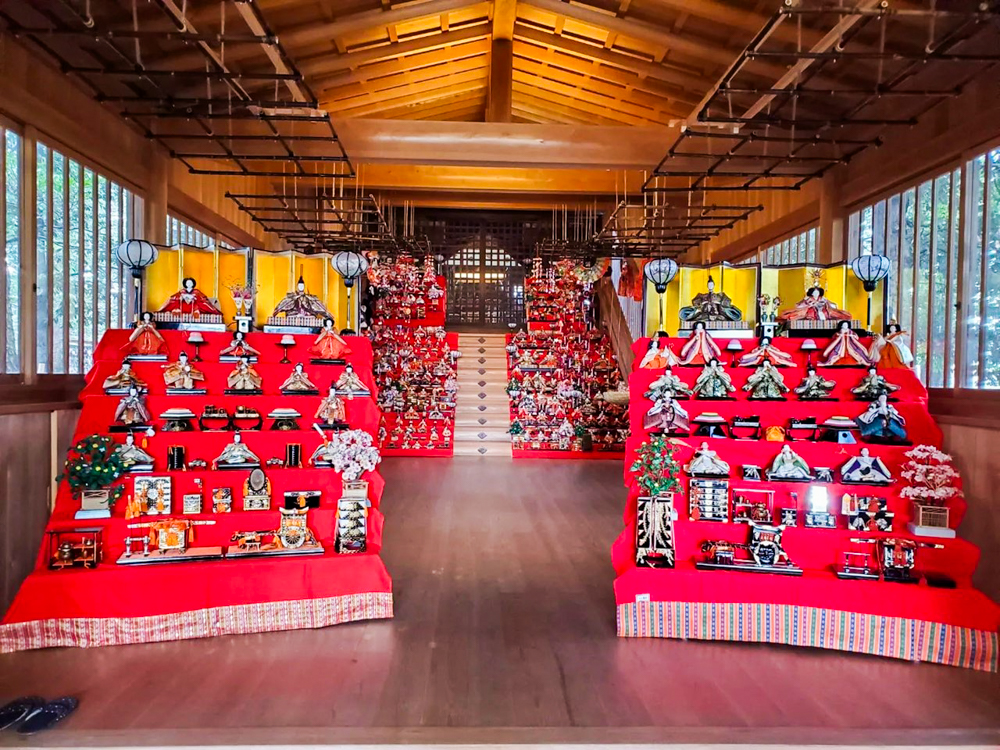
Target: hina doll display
pixel 133 457
pixel 700 348
pixel 882 423
pixel 119 383
pixel 658 355
pixel 893 349
pixel 766 352
pixel 814 306
pixel 349 384
pixel 236 456
pixel 131 412
pixel 300 304
pixel 815 387
pixel 329 347
pixel 298 383
pixel 667 416
pixel 238 349
pixel 706 463
pixel 189 301
pixel 845 349
pixel 766 383
pixel 789 466
pixel 145 342
pixel 865 469
pixel 714 382
pixel 331 410
pixel 244 379
pixel 710 307
pixel 667 384
pixel 872 386
pixel 181 376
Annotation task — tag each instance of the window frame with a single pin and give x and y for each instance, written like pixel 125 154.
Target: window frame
pixel 18 374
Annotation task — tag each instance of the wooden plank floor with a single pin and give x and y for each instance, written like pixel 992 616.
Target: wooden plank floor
pixel 504 631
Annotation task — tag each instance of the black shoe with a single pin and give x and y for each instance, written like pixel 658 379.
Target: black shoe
pixel 48 715
pixel 17 711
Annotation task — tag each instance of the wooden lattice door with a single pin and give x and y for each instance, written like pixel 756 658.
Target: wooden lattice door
pixel 484 265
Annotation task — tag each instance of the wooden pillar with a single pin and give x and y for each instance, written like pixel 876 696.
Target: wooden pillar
pixel 501 81
pixel 29 254
pixel 154 214
pixel 831 220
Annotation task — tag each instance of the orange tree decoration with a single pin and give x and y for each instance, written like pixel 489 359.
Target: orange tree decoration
pixel 94 464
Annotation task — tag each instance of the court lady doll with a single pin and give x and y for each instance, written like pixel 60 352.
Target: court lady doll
pixel 145 342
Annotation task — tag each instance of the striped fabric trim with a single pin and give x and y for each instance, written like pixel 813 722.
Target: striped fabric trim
pixel 240 619
pixel 896 637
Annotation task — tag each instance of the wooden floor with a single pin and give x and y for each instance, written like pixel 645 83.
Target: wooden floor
pixel 504 631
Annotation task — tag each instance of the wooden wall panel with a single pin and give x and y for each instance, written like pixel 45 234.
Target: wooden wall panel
pixel 25 484
pixel 978 461
pixel 783 212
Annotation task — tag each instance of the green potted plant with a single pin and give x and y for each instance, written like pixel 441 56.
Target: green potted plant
pixel 92 467
pixel 582 438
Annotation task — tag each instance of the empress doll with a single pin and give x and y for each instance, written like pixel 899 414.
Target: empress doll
pixel 814 306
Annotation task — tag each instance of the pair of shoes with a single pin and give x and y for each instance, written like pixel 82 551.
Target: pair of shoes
pixel 32 714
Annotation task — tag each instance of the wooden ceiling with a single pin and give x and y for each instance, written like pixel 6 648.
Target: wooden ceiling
pixel 598 62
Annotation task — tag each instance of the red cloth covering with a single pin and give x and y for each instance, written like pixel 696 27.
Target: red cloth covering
pixel 129 604
pixel 817 551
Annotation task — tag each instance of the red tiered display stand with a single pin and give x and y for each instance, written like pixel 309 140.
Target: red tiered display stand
pixel 119 604
pixel 427 355
pixel 921 622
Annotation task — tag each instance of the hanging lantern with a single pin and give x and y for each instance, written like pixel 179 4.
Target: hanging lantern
pixel 661 272
pixel 350 264
pixel 870 269
pixel 136 255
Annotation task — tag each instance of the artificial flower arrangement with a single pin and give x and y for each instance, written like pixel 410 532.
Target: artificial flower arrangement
pixel 352 453
pixel 932 480
pixel 655 467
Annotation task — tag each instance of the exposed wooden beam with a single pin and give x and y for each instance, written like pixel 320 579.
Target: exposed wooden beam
pixel 651 107
pixel 408 111
pixel 314 33
pixel 504 16
pixel 670 76
pixel 370 91
pixel 732 15
pixel 608 73
pixel 419 94
pixel 469 113
pixel 636 29
pixel 592 101
pixel 501 61
pixel 548 112
pixel 414 62
pixel 514 182
pixel 324 64
pixel 501 80
pixel 486 144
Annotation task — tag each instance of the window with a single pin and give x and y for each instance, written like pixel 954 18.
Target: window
pixel 793 251
pixel 918 230
pixel 982 274
pixel 180 232
pixel 81 217
pixel 10 250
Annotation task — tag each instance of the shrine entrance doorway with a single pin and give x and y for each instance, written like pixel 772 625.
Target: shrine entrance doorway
pixel 484 263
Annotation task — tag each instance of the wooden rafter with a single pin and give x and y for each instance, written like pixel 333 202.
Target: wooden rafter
pixel 370 91
pixel 408 63
pixel 420 93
